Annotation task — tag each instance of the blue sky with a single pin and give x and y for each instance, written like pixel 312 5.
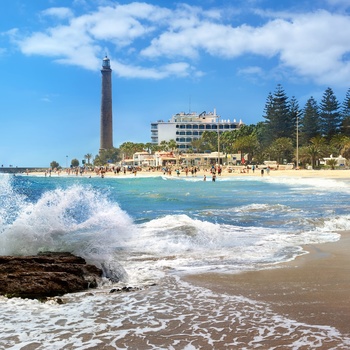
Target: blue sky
pixel 166 57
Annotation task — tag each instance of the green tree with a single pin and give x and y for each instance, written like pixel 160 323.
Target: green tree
pixel 304 156
pixel 149 147
pixel 88 156
pixel 129 148
pixel 330 117
pixel 210 140
pixel 197 145
pixel 172 145
pixel 281 149
pixel 278 115
pixel 316 149
pixel 345 152
pixel 337 143
pixel 164 146
pixel 54 165
pixel 107 156
pixel 74 162
pixel 332 163
pixel 294 112
pixel 345 114
pixel 247 144
pixel 309 122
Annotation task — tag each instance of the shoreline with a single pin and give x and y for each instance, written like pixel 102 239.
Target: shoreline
pixel 300 173
pixel 313 288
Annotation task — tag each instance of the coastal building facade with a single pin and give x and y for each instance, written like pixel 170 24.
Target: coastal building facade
pixel 171 159
pixel 187 127
pixel 106 127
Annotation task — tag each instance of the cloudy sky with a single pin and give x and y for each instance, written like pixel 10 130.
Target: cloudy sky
pixel 166 57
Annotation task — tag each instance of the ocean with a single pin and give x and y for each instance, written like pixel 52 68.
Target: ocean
pixel 150 232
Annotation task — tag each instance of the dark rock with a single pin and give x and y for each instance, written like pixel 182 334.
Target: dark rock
pixel 46 275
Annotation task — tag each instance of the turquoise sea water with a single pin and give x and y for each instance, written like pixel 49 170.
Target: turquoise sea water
pixel 149 232
pixel 233 224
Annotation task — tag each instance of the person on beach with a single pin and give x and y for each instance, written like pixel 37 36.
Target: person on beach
pixel 204 178
pixel 262 172
pixel 214 177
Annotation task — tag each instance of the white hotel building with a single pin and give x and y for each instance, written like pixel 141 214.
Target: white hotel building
pixel 187 127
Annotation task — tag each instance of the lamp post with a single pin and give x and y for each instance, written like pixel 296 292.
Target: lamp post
pixel 66 161
pixel 297 142
pixel 218 141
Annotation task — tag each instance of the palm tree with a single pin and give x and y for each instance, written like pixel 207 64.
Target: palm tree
pixel 316 149
pixel 281 148
pixel 172 145
pixel 345 152
pixel 197 144
pixel 88 156
pixel 332 163
pixel 246 144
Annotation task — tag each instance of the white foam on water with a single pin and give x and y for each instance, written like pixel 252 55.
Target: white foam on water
pixel 78 220
pixel 318 184
pixel 81 220
pixel 172 315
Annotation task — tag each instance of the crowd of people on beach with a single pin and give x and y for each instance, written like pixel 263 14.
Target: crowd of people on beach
pixel 169 170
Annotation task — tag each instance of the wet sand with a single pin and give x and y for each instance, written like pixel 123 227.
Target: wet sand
pixel 313 289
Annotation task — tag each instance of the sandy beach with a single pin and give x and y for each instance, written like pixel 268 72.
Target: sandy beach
pixel 324 173
pixel 313 289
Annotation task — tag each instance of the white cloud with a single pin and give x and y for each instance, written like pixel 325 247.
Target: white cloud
pixel 161 72
pixel 59 12
pixel 341 3
pixel 311 45
pixel 253 70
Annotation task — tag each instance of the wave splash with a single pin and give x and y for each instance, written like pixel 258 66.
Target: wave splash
pixel 83 220
pixel 77 219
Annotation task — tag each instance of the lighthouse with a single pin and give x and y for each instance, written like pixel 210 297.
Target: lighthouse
pixel 106 131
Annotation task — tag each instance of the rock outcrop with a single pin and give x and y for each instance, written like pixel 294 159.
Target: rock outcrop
pixel 46 275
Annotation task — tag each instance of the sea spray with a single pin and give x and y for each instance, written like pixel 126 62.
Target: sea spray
pixel 77 219
pixel 147 228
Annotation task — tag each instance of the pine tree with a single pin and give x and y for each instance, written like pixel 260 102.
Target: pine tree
pixel 277 114
pixel 330 117
pixel 310 122
pixel 345 114
pixel 294 113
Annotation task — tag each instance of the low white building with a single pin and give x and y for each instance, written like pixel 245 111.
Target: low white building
pixel 340 160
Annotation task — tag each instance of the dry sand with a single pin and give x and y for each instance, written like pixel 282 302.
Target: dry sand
pixel 330 174
pixel 313 289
